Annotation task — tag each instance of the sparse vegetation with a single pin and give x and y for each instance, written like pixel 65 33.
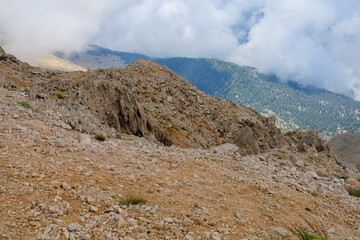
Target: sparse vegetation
pixel 307 236
pixel 344 177
pixel 176 128
pixel 27 106
pixel 9 96
pixel 60 95
pixel 100 138
pixel 353 191
pixel 133 199
pixel 26 90
pixel 280 157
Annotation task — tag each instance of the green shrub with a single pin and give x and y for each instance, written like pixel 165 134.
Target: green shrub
pixel 307 236
pixel 133 199
pixel 60 96
pixel 26 105
pixel 353 191
pixel 100 138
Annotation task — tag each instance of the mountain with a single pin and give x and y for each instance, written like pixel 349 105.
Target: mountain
pixel 56 63
pixel 117 154
pixel 295 106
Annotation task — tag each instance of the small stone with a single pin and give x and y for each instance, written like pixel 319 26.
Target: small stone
pixel 86 237
pixel 65 186
pixel 128 238
pixel 132 178
pixel 74 227
pixel 352 182
pixel 186 223
pixel 58 221
pixel 83 139
pixel 132 222
pixel 321 172
pixel 188 237
pixel 141 236
pixel 205 235
pixel 121 223
pixel 238 215
pixel 277 231
pixel 108 235
pixel 299 163
pixel 93 209
pixel 118 217
pixel 90 200
pixel 262 158
pixel 159 225
pixel 168 220
pixel 33 224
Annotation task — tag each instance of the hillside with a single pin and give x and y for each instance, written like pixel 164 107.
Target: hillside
pixel 295 107
pixel 60 182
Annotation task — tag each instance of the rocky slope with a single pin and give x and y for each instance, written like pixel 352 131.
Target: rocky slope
pixel 145 99
pixel 58 182
pixel 346 147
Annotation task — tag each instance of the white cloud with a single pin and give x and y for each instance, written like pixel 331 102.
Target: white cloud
pixel 310 41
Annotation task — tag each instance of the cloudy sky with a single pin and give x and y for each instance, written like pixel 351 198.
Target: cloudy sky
pixel 313 42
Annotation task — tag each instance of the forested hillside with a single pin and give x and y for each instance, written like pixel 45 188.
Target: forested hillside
pixel 295 107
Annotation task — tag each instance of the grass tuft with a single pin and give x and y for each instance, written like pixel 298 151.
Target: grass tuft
pixel 353 191
pixel 133 199
pixel 100 138
pixel 27 106
pixel 307 236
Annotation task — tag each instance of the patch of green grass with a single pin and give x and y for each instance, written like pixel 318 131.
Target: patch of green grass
pixel 100 138
pixel 280 157
pixel 307 236
pixel 353 191
pixel 176 128
pixel 9 96
pixel 344 177
pixel 27 106
pixel 207 146
pixel 60 95
pixel 26 90
pixel 133 199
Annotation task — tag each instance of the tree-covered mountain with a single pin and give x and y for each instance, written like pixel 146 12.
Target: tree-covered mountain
pixel 295 107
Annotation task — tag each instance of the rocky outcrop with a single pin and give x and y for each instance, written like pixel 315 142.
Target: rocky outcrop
pixel 346 147
pixel 308 140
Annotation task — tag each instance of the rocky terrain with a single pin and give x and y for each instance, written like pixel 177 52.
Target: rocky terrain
pixel 346 147
pixel 237 178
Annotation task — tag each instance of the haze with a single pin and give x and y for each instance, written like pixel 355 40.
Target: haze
pixel 314 42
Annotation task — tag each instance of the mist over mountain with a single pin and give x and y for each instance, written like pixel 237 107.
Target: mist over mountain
pixel 295 106
pixel 310 42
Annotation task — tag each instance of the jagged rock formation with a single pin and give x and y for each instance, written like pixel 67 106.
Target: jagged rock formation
pixel 146 99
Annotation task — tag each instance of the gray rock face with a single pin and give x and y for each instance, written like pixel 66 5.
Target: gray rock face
pixel 2 52
pixel 346 147
pixel 306 140
pixel 146 99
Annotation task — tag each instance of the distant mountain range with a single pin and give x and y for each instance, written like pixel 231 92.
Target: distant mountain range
pixel 295 107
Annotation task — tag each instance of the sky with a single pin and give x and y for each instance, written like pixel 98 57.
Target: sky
pixel 312 42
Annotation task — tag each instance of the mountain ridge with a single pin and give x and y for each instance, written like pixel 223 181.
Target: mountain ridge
pixel 307 107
